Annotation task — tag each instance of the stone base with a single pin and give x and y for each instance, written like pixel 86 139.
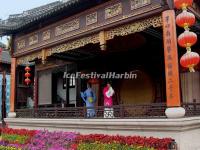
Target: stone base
pixel 175 112
pixel 185 131
pixel 11 115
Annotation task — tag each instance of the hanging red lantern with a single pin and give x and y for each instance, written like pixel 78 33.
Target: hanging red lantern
pixel 27 69
pixel 27 74
pixel 27 81
pixel 182 4
pixel 187 39
pixel 185 20
pixel 190 60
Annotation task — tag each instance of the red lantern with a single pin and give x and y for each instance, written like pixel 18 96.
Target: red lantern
pixel 189 60
pixel 27 69
pixel 187 39
pixel 185 19
pixel 182 4
pixel 27 74
pixel 27 81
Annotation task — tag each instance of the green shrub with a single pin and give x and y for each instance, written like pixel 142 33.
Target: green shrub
pixel 111 146
pixel 13 138
pixel 8 148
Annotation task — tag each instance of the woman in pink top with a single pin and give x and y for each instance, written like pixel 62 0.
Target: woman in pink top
pixel 108 92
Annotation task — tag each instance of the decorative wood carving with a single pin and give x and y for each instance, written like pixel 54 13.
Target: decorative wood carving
pixel 70 28
pixel 46 35
pixel 113 11
pixel 91 18
pixel 74 44
pixel 21 44
pixel 96 38
pixel 134 27
pixel 139 3
pixel 67 27
pixel 33 39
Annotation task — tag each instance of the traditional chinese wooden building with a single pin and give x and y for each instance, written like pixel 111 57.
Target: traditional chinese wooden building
pixel 100 36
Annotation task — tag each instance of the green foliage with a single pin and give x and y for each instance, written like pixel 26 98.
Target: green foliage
pixel 8 148
pixel 111 146
pixel 13 138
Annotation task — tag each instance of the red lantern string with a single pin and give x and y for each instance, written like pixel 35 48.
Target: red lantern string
pixel 27 75
pixel 187 39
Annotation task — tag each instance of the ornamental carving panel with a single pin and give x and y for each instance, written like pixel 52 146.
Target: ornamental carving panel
pixel 21 44
pixel 74 44
pixel 139 3
pixel 113 11
pixel 91 18
pixel 134 27
pixel 46 35
pixel 28 58
pixel 67 27
pixel 33 39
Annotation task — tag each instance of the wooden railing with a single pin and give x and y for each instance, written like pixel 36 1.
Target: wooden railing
pixel 156 110
pixel 118 111
pixel 192 109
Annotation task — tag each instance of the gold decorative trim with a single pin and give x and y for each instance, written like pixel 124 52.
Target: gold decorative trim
pixel 73 44
pixel 28 58
pixel 113 10
pixel 58 49
pixel 134 27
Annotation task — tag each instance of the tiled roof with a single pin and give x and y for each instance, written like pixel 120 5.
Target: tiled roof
pixel 17 21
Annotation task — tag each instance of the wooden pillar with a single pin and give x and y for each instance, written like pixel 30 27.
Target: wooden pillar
pixel 171 66
pixel 12 113
pixel 35 89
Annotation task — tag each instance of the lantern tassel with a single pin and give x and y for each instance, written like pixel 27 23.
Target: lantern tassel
pixel 186 27
pixel 188 49
pixel 191 69
pixel 184 7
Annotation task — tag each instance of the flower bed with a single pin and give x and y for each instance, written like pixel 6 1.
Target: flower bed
pixel 51 140
pixel 128 141
pixel 13 139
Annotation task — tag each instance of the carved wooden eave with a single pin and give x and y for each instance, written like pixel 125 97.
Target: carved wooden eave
pixel 85 28
pixel 94 39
